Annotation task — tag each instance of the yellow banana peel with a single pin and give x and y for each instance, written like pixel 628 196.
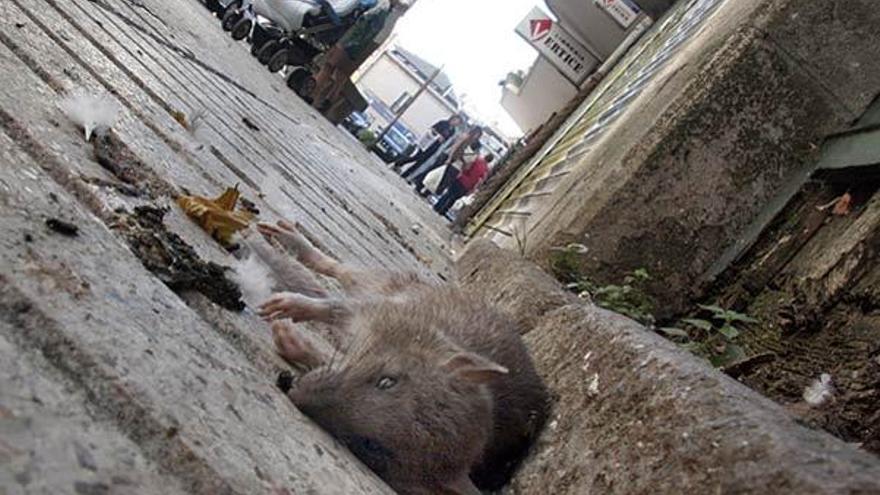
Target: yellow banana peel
pixel 217 216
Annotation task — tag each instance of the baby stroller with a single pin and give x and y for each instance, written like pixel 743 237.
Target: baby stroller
pixel 292 32
pixel 217 7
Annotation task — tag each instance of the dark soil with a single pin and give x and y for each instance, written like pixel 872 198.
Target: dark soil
pixel 812 326
pixel 175 262
pixel 847 347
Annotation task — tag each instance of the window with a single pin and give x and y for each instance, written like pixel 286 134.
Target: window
pixel 401 102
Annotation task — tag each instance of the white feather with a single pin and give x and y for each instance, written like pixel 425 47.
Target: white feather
pixel 820 391
pixel 91 112
pixel 254 279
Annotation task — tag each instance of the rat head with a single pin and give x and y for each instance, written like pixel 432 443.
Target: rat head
pixel 409 403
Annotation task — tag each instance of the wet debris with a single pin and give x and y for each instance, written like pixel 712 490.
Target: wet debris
pixel 396 234
pixel 96 115
pixel 120 187
pixel 799 316
pixel 173 261
pixel 62 227
pixel 115 157
pixel 250 124
pixel 249 206
pixel 749 364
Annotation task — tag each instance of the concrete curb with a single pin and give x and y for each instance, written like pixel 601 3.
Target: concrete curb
pixel 512 283
pixel 635 414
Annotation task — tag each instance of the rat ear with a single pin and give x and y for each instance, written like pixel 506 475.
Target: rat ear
pixel 473 368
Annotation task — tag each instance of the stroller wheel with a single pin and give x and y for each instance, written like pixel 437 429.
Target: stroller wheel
pixel 278 60
pixel 302 83
pixel 230 16
pixel 265 53
pixel 241 29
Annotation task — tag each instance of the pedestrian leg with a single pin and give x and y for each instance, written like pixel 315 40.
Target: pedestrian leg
pixel 453 194
pixel 418 157
pixel 449 175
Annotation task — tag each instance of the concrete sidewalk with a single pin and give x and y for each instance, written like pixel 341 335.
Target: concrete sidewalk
pixel 111 382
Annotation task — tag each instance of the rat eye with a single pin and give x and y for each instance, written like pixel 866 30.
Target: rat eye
pixel 385 383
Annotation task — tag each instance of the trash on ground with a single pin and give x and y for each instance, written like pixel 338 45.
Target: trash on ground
pixel 116 157
pixel 249 124
pixel 820 391
pixel 173 261
pixel 64 228
pixel 843 206
pixel 217 216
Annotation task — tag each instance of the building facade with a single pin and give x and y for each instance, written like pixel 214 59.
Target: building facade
pixel 587 35
pixel 393 78
pixel 533 97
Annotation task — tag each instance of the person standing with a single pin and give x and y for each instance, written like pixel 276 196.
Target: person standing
pixel 458 148
pixel 454 168
pixel 466 182
pixel 440 132
pixel 341 60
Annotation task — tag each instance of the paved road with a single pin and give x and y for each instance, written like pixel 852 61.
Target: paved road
pixel 110 382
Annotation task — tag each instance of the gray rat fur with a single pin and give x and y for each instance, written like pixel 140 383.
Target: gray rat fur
pixel 434 389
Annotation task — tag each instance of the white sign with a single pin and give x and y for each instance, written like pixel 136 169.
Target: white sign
pixel 625 12
pixel 555 44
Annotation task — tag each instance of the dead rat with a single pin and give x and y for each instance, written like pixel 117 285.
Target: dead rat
pixel 433 389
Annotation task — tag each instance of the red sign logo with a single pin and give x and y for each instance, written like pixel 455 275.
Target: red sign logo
pixel 540 28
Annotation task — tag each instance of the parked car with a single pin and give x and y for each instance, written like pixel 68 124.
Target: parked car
pixel 355 123
pixel 396 143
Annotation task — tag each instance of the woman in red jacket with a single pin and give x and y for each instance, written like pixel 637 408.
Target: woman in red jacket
pixel 468 180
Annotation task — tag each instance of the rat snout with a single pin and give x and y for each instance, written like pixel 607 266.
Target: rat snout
pixel 323 412
pixel 316 399
pixel 310 405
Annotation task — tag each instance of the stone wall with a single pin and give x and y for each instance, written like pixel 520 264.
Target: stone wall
pixel 740 110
